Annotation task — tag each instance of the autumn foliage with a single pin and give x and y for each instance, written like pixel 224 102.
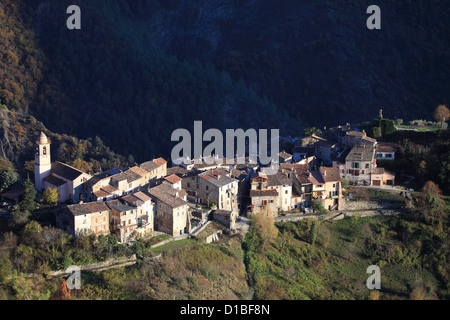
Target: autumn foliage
pixel 64 293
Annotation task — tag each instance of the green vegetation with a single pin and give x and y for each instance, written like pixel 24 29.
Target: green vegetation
pixel 422 155
pixel 28 198
pixel 20 133
pixel 50 196
pixel 412 251
pixel 318 207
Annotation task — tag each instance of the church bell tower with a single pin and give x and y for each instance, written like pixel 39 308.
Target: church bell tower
pixel 42 162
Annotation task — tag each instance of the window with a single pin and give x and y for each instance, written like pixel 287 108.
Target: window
pixel 388 155
pixel 188 185
pixel 367 166
pixel 286 192
pixel 207 187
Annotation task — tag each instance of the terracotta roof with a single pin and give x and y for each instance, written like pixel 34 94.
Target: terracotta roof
pixel 173 179
pixel 264 193
pixel 160 161
pixel 65 171
pixel 386 147
pixel 54 181
pixel 330 174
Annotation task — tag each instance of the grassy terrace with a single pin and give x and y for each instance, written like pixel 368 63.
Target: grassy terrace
pixel 335 266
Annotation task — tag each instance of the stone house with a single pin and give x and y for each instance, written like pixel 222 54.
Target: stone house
pixel 301 184
pixel 227 218
pixel 123 220
pixel 86 218
pixel 381 177
pixel 358 165
pixel 213 187
pixel 157 168
pixel 174 181
pixel 243 178
pixel 385 150
pixel 326 187
pixel 353 138
pixel 274 191
pixel 172 212
pixel 145 211
pixel 285 157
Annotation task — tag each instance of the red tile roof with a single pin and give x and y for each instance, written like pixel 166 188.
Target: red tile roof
pixel 160 161
pixel 173 179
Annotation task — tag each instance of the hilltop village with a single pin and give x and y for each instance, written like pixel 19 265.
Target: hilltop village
pixel 150 197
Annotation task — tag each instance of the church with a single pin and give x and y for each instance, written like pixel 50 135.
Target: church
pixel 66 179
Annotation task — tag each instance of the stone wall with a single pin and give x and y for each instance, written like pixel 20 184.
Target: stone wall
pixel 371 205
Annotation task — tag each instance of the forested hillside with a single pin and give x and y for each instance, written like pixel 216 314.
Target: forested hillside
pixel 138 70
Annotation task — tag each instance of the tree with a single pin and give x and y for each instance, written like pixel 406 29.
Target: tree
pixel 441 114
pixel 83 165
pixel 317 206
pixel 313 232
pixel 265 226
pixel 50 196
pixel 28 198
pixel 7 178
pixel 64 293
pixel 431 205
pixel 310 131
pixel 374 295
pixel 5 164
pixel 345 183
